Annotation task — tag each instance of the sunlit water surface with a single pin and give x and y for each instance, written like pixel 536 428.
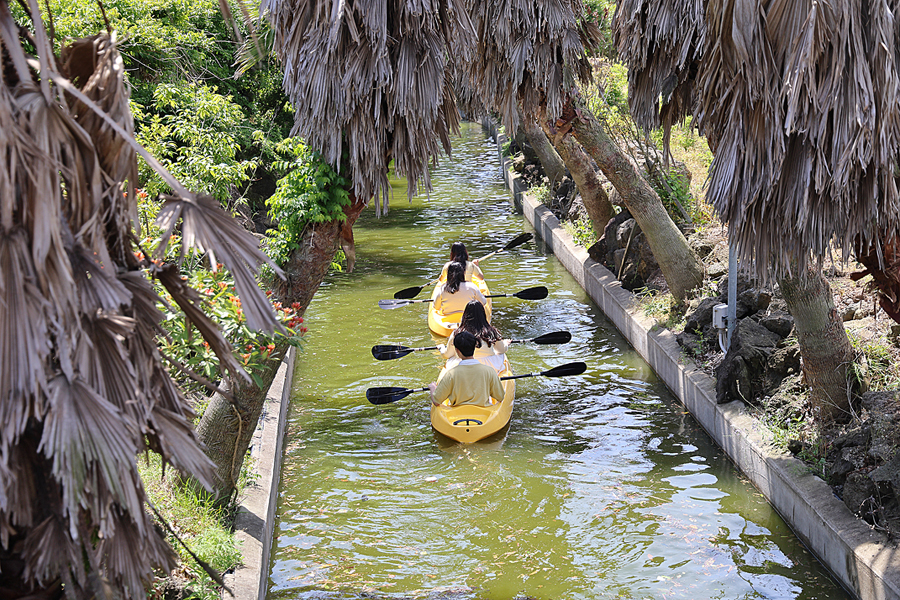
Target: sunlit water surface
pixel 603 486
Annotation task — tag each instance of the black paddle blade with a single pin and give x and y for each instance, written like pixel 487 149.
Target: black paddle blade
pixel 575 368
pixel 518 241
pixel 409 293
pixel 390 352
pixel 557 337
pixel 535 293
pixel 386 395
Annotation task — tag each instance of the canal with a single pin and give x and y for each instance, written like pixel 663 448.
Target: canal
pixel 603 486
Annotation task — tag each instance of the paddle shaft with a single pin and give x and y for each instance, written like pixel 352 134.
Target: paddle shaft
pixel 414 291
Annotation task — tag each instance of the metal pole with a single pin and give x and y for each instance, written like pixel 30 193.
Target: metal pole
pixel 732 292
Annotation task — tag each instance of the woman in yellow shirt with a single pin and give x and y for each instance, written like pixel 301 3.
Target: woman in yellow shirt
pixel 490 348
pixel 458 253
pixel 456 293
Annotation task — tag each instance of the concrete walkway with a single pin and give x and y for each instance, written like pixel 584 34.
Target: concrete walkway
pixel 860 558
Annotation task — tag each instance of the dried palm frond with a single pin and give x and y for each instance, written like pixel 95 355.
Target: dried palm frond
pixel 530 54
pixel 83 388
pixel 661 42
pixel 799 101
pixel 369 78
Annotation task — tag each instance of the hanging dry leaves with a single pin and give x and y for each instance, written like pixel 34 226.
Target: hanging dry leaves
pixel 83 389
pixel 799 101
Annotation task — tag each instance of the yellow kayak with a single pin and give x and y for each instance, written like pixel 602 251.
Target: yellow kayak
pixel 444 325
pixel 469 423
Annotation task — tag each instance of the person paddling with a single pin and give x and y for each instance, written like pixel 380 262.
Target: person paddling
pixel 458 253
pixel 490 348
pixel 470 382
pixel 453 296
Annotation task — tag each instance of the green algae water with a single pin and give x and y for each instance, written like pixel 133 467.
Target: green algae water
pixel 603 486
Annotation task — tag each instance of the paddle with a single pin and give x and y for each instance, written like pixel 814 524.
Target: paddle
pixel 534 293
pixel 390 352
pixel 386 395
pixel 412 292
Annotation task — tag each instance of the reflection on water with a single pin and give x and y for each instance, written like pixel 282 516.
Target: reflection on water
pixel 602 487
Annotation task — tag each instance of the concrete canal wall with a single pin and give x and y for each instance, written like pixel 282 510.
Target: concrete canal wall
pixel 255 519
pixel 858 557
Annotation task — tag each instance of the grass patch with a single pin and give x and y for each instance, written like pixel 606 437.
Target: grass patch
pixel 878 363
pixel 206 529
pixel 662 308
pixel 582 231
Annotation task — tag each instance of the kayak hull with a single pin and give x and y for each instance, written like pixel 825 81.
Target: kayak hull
pixel 443 325
pixel 468 423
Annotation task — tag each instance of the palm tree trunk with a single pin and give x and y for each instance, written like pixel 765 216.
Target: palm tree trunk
pixel 596 201
pixel 553 164
pixel 680 266
pixel 824 345
pixel 226 428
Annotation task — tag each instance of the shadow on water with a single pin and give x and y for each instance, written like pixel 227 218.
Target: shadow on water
pixel 602 486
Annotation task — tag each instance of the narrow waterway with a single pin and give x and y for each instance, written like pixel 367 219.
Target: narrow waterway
pixel 603 486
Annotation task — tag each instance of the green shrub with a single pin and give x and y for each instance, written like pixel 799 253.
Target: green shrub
pixel 311 191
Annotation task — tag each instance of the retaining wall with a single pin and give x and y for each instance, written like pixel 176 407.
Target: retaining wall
pixel 255 519
pixel 857 555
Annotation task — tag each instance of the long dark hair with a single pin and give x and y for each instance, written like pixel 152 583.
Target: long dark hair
pixel 459 253
pixel 474 321
pixel 456 274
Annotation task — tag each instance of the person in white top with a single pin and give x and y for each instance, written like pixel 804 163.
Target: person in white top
pixel 453 295
pixel 491 348
pixel 458 253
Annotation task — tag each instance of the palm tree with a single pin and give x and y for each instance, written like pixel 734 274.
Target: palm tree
pixel 530 54
pixel 799 102
pixel 83 387
pixel 371 86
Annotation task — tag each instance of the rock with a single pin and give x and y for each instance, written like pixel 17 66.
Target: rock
pixel 626 232
pixel 752 300
pixel 518 163
pixel 647 264
pixel 702 248
pixel 740 375
pixel 716 270
pixel 598 250
pixel 743 284
pixel 859 496
pixel 612 227
pixel 858 436
pixel 887 477
pixel 701 318
pixel 778 322
pixel 781 363
pixel 576 210
pixel 846 461
pixel 691 343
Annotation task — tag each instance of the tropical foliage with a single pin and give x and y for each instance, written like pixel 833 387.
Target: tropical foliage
pixel 311 191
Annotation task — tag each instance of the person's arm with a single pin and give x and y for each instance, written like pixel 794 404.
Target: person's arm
pixel 437 299
pixel 448 351
pixel 478 295
pixel 501 346
pixel 441 390
pixel 497 390
pixel 476 270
